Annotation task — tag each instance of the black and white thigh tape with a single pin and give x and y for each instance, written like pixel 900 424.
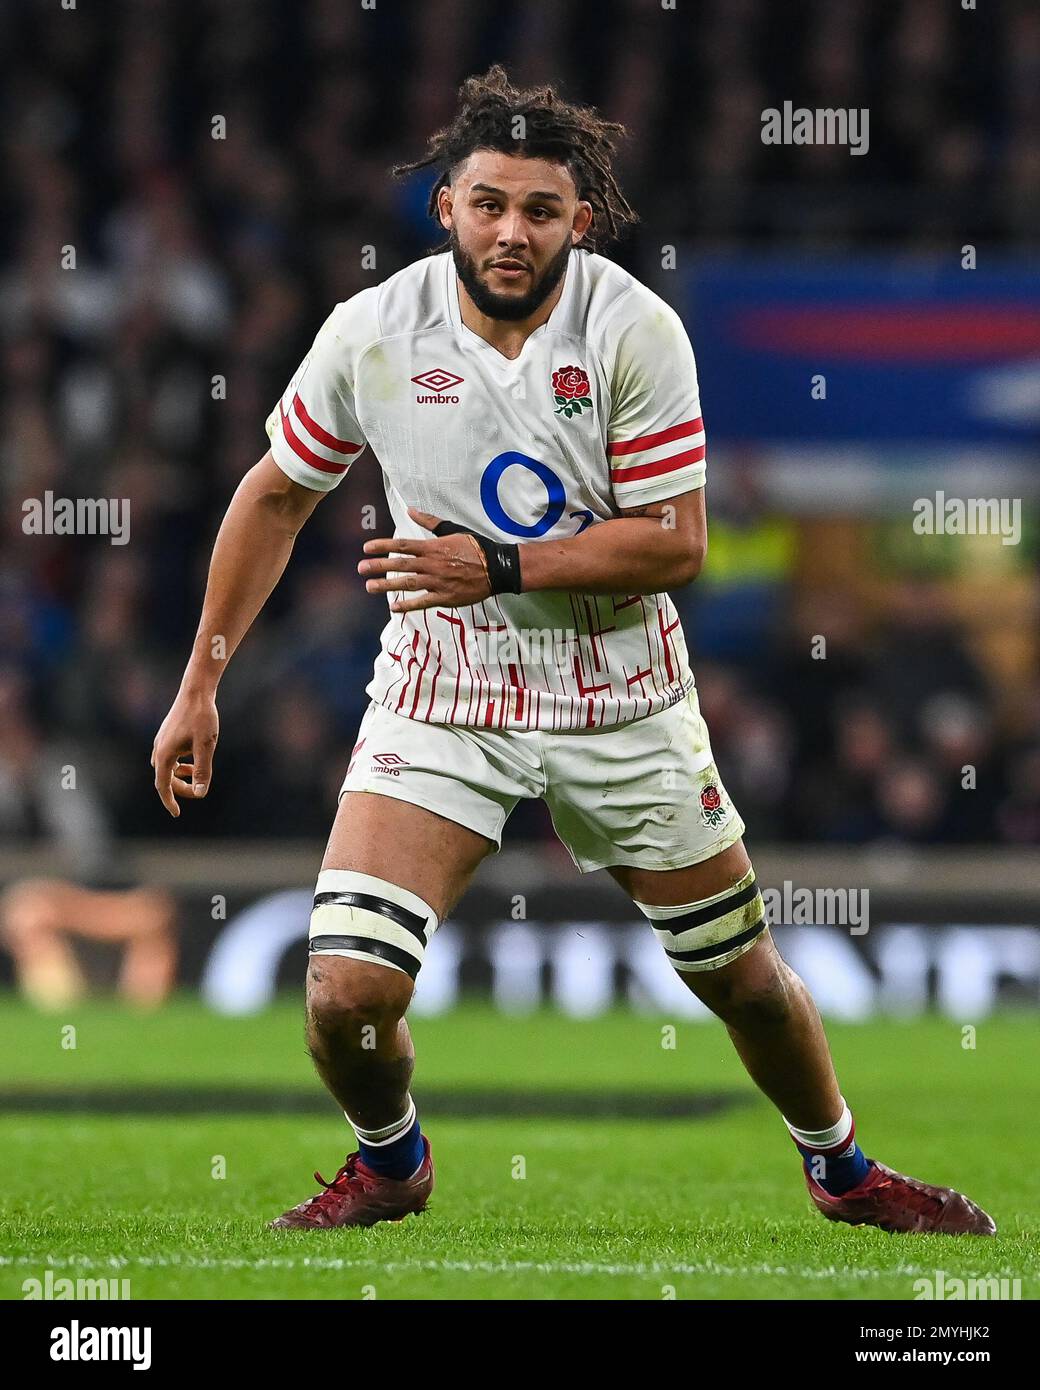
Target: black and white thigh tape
pixel 710 933
pixel 370 919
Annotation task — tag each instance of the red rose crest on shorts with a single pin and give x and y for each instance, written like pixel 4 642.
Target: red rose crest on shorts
pixel 571 391
pixel 711 806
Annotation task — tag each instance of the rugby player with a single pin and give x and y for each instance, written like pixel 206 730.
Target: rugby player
pixel 535 412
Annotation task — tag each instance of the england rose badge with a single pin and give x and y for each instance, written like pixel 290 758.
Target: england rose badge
pixel 571 391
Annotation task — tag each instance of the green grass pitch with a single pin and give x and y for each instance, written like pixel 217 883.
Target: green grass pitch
pixel 652 1208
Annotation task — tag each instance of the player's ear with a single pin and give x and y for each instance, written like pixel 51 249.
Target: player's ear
pixel 444 205
pixel 582 222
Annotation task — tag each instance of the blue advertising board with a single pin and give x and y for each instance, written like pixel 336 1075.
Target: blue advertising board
pixel 866 351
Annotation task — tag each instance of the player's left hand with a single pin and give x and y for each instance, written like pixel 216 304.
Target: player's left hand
pixel 452 569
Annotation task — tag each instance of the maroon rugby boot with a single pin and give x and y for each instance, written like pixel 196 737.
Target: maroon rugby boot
pixel 358 1197
pixel 897 1203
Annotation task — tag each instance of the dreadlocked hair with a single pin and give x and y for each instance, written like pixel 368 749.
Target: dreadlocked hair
pixel 575 136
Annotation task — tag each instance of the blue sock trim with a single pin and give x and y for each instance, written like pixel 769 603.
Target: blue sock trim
pixel 836 1175
pixel 397 1160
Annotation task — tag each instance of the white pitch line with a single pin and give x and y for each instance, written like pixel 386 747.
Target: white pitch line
pixel 583 1267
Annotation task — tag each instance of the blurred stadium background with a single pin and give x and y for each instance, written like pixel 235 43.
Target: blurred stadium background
pixel 205 254
pixel 188 188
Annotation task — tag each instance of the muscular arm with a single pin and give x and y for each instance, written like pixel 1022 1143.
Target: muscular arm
pixel 649 549
pixel 249 556
pixel 252 548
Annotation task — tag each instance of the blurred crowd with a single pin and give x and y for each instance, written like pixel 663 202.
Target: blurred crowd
pixel 188 190
pixel 891 732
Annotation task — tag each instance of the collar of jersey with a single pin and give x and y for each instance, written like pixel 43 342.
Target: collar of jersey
pixel 455 311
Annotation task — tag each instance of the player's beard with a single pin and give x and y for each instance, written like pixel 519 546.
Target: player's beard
pixel 507 306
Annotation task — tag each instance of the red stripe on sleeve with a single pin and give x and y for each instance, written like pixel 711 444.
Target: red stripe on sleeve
pixel 654 470
pixel 341 446
pixel 300 449
pixel 651 441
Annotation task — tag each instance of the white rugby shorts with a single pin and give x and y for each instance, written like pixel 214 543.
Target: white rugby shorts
pixel 645 794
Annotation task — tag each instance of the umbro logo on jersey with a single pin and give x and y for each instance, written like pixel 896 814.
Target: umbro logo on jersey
pixel 390 763
pixel 438 381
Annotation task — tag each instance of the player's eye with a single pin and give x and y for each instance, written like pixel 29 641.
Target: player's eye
pixel 540 214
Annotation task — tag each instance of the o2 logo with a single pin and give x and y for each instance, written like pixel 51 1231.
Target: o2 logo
pixel 555 506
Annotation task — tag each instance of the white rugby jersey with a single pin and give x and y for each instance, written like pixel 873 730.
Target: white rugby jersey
pixel 599 411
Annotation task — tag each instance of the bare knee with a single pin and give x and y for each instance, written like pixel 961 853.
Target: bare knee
pixel 345 997
pixel 755 992
pixel 762 1006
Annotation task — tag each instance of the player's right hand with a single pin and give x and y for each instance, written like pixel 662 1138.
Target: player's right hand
pixel 190 728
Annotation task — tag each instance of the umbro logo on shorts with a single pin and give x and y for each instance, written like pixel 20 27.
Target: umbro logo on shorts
pixel 390 763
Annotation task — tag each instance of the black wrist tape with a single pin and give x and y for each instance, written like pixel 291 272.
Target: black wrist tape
pixel 503 558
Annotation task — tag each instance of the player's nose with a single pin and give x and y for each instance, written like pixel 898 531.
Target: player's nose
pixel 511 233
